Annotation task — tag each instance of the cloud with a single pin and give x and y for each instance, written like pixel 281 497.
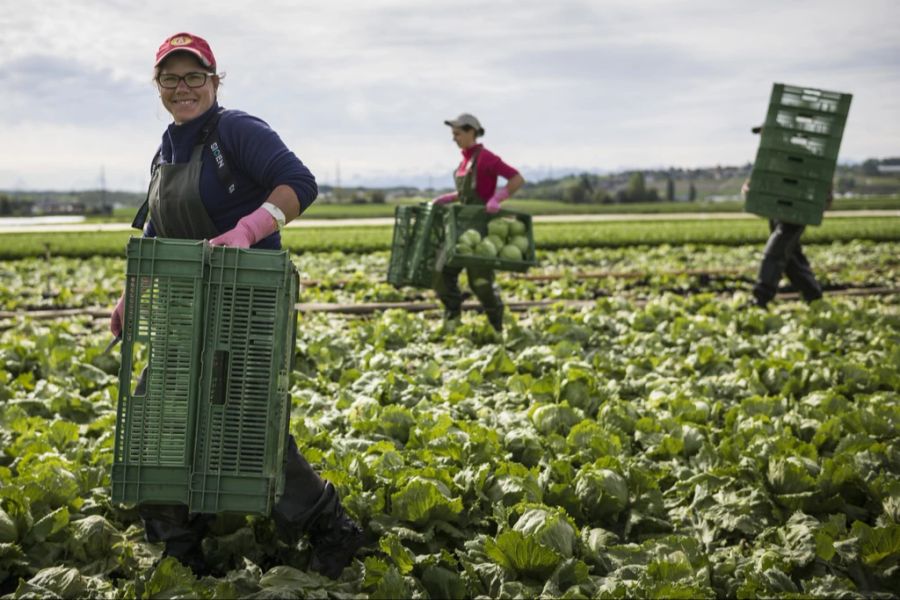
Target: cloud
pixel 367 84
pixel 58 90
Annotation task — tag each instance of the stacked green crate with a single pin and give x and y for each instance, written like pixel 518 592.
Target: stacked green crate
pixel 244 406
pixel 209 427
pixel 418 237
pixel 797 155
pixel 403 224
pixel 161 344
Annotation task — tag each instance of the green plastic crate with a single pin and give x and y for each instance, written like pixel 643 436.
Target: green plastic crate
pixel 219 406
pixel 243 412
pixel 428 237
pixel 797 156
pixel 799 142
pixel 418 236
pixel 403 221
pixel 784 208
pixel 162 330
pixel 792 163
pixel 460 218
pixel 806 121
pixel 813 99
pixel 790 186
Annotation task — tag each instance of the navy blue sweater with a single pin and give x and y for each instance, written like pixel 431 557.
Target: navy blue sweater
pixel 258 160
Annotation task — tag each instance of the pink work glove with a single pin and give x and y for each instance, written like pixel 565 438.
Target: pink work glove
pixel 116 318
pixel 446 198
pixel 250 229
pixel 493 205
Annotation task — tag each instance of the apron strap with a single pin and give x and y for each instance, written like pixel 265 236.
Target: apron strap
pixel 465 187
pixel 209 132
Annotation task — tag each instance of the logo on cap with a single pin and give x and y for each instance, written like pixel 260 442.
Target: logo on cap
pixel 180 40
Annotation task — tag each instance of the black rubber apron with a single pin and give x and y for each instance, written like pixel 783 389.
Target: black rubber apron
pixel 176 208
pixel 465 183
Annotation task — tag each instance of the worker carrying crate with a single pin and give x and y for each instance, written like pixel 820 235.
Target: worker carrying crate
pixel 211 326
pixel 433 243
pixel 791 181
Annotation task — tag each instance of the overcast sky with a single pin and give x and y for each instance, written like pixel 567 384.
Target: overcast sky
pixel 363 87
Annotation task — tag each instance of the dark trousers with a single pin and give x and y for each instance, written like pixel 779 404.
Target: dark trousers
pixel 183 532
pixel 446 285
pixel 783 255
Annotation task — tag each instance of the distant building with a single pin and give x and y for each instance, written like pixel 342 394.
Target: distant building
pixel 722 197
pixel 55 207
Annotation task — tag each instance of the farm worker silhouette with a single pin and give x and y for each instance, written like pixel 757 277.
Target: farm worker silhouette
pixel 783 255
pixel 476 183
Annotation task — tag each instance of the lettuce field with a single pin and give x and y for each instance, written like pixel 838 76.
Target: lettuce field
pixel 657 438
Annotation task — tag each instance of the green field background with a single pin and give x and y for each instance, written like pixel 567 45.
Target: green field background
pixel 322 210
pixel 547 235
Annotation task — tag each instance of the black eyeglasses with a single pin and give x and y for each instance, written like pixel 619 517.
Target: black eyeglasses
pixel 192 80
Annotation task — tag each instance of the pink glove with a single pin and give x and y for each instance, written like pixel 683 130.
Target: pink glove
pixel 250 229
pixel 446 198
pixel 117 316
pixel 493 205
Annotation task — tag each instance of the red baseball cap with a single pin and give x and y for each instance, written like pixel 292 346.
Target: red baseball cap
pixel 187 42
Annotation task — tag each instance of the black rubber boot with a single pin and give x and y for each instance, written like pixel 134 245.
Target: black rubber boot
pixel 190 555
pixel 446 286
pixel 181 531
pixel 802 277
pixel 759 301
pixel 495 318
pixel 334 536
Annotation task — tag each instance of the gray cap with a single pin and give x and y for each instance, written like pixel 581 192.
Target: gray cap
pixel 466 119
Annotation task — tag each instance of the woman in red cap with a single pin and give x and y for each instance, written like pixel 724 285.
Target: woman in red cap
pixel 476 183
pixel 226 176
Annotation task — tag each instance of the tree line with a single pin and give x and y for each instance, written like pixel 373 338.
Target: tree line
pixel 871 177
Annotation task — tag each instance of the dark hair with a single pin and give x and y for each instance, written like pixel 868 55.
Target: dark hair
pixel 478 132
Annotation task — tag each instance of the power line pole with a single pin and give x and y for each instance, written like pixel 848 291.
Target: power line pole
pixel 337 180
pixel 103 206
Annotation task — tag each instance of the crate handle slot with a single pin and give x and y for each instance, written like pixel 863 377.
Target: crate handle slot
pixel 784 202
pixel 790 180
pixel 796 159
pixel 220 376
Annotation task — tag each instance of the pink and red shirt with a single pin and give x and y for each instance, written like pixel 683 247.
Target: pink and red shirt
pixel 489 167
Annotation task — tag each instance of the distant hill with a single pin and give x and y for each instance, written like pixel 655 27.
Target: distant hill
pixel 873 177
pixel 706 184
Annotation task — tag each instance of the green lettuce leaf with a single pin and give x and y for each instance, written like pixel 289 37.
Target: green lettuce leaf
pixel 522 553
pixel 423 500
